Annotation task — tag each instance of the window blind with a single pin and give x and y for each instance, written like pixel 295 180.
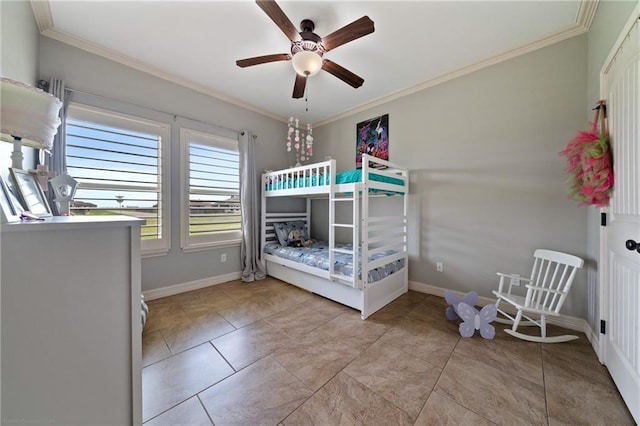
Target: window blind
pixel 117 163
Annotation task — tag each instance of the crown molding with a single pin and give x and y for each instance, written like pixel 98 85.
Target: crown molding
pixel 583 22
pixel 586 13
pixel 42 13
pixel 149 69
pixel 44 20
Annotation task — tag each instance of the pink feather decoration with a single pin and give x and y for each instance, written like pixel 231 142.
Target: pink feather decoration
pixel 590 166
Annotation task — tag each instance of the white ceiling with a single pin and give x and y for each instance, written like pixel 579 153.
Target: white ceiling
pixel 415 44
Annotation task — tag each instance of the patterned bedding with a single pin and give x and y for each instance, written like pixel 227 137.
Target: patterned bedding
pixel 350 176
pixel 317 255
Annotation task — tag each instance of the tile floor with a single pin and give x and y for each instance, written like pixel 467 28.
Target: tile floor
pixel 269 353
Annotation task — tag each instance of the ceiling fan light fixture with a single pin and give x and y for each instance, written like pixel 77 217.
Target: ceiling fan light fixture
pixel 308 48
pixel 307 63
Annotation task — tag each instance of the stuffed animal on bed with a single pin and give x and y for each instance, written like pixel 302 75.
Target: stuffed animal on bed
pixel 296 239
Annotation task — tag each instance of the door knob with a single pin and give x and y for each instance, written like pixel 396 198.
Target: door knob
pixel 632 245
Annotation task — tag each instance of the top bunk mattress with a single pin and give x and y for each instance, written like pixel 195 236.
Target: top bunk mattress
pixel 349 176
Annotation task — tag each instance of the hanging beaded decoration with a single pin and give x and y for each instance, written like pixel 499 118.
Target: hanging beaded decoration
pixel 300 141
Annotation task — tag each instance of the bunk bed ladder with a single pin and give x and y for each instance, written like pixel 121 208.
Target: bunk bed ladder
pixel 332 219
pixel 333 225
pixel 364 242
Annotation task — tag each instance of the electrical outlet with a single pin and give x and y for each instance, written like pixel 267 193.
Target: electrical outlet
pixel 439 266
pixel 515 280
pixel 223 257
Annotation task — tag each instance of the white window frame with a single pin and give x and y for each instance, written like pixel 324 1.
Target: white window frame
pixel 162 245
pixel 200 242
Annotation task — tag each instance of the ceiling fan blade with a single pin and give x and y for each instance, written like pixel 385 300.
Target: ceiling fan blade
pixel 263 59
pixel 342 73
pixel 356 29
pixel 276 14
pixel 298 87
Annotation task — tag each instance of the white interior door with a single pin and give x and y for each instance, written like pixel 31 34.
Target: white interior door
pixel 621 237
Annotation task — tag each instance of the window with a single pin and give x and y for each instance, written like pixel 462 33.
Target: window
pixel 120 162
pixel 210 190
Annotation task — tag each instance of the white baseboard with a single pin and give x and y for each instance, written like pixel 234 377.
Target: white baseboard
pixel 594 339
pixel 565 321
pixel 158 293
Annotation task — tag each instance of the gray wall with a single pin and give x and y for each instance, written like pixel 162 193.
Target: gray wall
pixel 90 73
pixel 18 61
pixel 487 184
pixel 610 17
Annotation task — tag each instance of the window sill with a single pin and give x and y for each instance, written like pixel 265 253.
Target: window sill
pixel 210 246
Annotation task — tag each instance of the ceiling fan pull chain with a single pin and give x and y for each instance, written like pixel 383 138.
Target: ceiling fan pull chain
pixel 306 99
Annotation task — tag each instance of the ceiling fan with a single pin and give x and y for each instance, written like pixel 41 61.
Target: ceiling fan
pixel 307 47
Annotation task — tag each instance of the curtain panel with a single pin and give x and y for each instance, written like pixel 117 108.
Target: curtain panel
pixel 251 261
pixel 57 160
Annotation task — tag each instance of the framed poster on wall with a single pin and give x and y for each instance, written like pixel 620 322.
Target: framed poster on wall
pixel 372 138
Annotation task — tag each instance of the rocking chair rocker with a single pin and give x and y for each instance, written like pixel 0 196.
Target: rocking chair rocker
pixel 551 278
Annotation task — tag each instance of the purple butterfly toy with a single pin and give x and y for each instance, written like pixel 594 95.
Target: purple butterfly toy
pixel 472 319
pixel 452 299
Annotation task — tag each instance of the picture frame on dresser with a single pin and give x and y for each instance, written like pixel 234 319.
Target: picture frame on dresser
pixel 30 192
pixel 10 208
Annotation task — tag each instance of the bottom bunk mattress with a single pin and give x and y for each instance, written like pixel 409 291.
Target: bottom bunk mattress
pixel 317 256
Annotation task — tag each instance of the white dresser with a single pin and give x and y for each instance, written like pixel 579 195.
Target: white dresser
pixel 71 327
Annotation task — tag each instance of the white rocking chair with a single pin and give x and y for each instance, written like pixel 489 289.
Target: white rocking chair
pixel 551 278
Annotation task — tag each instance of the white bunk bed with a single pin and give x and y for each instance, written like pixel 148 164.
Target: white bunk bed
pixel 376 241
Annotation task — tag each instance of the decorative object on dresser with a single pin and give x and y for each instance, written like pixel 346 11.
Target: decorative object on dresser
pixel 9 204
pixel 372 138
pixel 43 175
pixel 30 192
pixel 29 117
pixel 64 189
